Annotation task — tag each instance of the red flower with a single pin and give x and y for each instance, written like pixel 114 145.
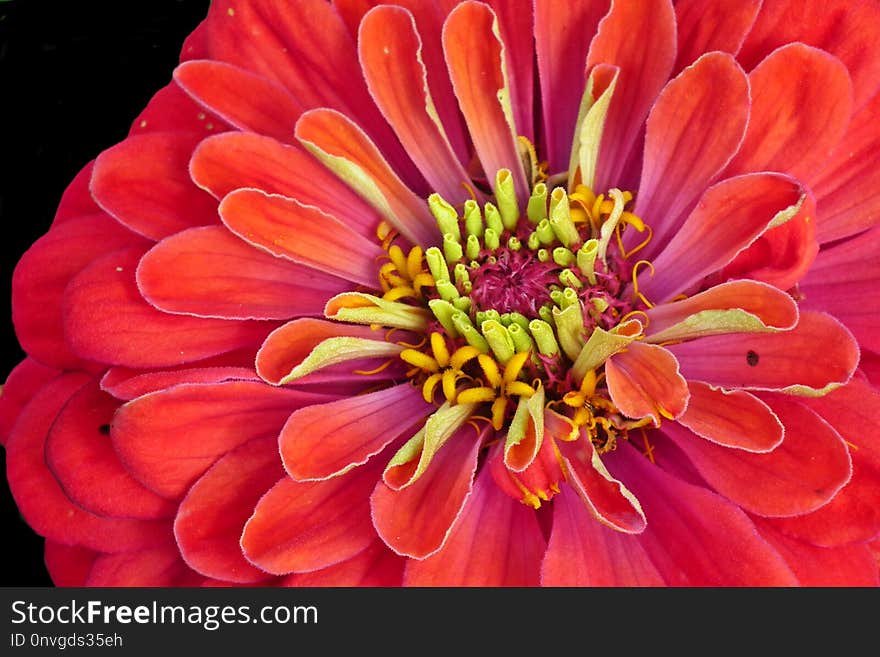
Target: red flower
pixel 616 327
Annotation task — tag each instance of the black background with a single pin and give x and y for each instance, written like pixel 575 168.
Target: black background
pixel 73 76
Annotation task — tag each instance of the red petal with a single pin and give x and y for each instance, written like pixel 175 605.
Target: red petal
pixel 562 37
pixel 77 200
pixel 801 105
pixel 324 440
pixel 729 217
pixel 106 319
pixel 853 565
pixel 496 541
pixel 247 101
pixel 288 229
pixel 390 55
pixel 644 381
pixel 628 32
pixel 211 517
pixel 707 25
pixel 415 521
pixel 844 282
pixel 44 271
pixel 68 565
pixel 731 418
pixel 79 453
pixel 172 109
pixel 800 475
pixel 23 382
pixel 607 499
pixel 156 567
pixel 680 162
pixel 209 272
pixel 144 183
pixel 582 552
pixel 844 29
pixel 374 566
pixel 306 526
pixel 695 537
pixel 41 500
pixel 474 57
pixel 236 160
pixel 167 439
pixel 816 353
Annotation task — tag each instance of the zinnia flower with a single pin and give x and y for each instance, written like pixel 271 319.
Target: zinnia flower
pixel 578 293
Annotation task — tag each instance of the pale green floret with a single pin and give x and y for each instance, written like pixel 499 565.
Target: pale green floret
pixel 473 220
pixel 472 247
pixel 463 304
pixel 505 194
pixel 490 237
pixel 514 244
pixel 493 218
pixel 556 297
pixel 499 340
pixel 586 259
pixel 505 319
pixel 466 329
pixel 560 218
pixel 480 317
pixel 522 341
pixel 563 257
pixel 546 314
pixel 542 332
pixel 570 279
pixel 537 207
pixel 447 290
pixel 570 329
pixel 467 287
pixel 599 304
pixel 437 264
pixel 534 242
pixel 444 312
pixel 569 297
pixel 445 214
pixel 493 315
pixel 522 320
pixel 543 255
pixel 451 248
pixel 461 274
pixel 545 233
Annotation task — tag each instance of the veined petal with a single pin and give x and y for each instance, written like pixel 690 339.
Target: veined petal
pixel 209 272
pixel 733 307
pixel 800 475
pixel 172 109
pixel 816 356
pixel 731 418
pixel 476 59
pixel 76 200
pixel 374 566
pixel 644 381
pixel 350 154
pixel 288 229
pixel 415 521
pixel 496 541
pixel 525 434
pixel 126 384
pixel 360 308
pixel 326 440
pixel 707 25
pixel 390 51
pixel 23 382
pixel 154 567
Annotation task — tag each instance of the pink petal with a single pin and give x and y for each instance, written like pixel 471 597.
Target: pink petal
pixel 607 499
pixel 415 521
pixel 817 353
pixel 390 55
pixel 44 271
pixel 496 541
pixel 729 217
pixel 681 162
pixel 376 565
pixel 695 537
pixel 324 440
pixel 79 453
pixel 334 135
pixel 247 101
pixel 306 526
pixel 707 25
pixel 644 381
pixel 172 109
pixel 583 552
pixel 68 565
pixel 842 28
pixel 167 439
pixel 562 37
pixel 23 382
pixel 106 319
pixel 628 32
pixel 844 282
pixel 731 418
pixel 236 160
pixel 154 567
pixel 144 183
pixel 211 517
pixel 852 565
pixel 40 499
pixel 800 475
pixel 209 272
pixel 474 58
pixel 288 229
pixel 801 105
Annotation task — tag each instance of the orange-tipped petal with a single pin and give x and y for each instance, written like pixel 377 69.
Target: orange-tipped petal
pixel 707 25
pixel 644 381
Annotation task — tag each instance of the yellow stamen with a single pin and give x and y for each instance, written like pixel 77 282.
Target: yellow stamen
pixel 439 349
pixel 422 361
pixel 381 367
pixel 490 369
pixel 399 293
pixel 430 386
pixel 449 390
pixel 424 279
pixel 397 257
pixel 476 396
pixel 499 408
pixel 462 355
pixel 519 388
pixel 635 280
pixel 414 262
pixel 514 366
